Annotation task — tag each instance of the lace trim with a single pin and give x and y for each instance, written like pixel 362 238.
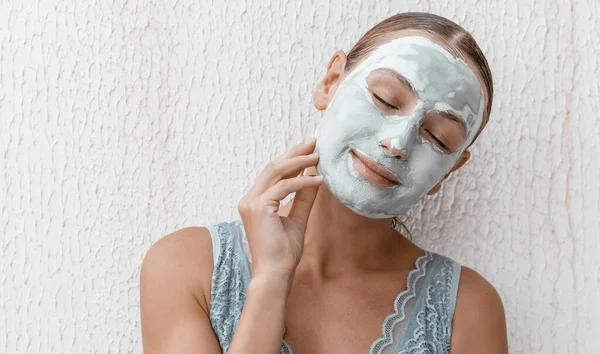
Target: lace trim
pixel 228 293
pixel 434 331
pixel 400 304
pixel 243 239
pixel 285 348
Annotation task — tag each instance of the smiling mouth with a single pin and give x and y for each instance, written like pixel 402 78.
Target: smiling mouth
pixel 373 171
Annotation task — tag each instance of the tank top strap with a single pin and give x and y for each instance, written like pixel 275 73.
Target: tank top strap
pixel 430 323
pixel 230 280
pixel 423 323
pixel 443 284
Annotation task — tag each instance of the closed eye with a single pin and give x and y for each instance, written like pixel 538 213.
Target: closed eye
pixel 383 101
pixel 437 141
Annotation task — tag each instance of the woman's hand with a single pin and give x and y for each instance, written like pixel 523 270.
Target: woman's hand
pixel 276 242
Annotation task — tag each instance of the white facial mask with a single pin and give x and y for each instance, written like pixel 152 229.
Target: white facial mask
pixel 352 121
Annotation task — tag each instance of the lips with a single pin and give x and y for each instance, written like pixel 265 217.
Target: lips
pixel 373 171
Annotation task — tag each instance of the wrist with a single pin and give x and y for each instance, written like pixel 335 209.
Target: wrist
pixel 273 272
pixel 274 283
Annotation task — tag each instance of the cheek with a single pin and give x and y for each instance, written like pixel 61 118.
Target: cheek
pixel 350 115
pixel 428 167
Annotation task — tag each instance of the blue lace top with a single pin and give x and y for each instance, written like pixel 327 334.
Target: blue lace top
pixel 420 324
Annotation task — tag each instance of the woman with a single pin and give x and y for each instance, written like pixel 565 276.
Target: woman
pixel 328 273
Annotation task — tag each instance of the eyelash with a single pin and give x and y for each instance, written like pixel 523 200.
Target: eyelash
pixel 437 141
pixel 383 101
pixel 440 143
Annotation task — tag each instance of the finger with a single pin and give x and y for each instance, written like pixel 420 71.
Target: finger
pixel 303 148
pixel 302 205
pixel 282 169
pixel 285 187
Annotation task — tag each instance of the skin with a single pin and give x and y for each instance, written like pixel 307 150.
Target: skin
pixel 316 265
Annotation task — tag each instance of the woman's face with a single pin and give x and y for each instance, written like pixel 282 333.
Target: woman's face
pixel 396 125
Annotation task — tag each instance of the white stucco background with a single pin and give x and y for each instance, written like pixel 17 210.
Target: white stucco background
pixel 122 121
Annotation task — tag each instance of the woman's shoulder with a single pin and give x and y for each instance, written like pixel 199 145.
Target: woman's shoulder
pixel 181 258
pixel 479 319
pixel 200 247
pixel 475 293
pixel 470 286
pixel 200 262
pixel 462 303
pixel 196 246
pixel 187 246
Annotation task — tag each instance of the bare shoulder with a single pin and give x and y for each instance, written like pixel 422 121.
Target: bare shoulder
pixel 174 294
pixel 479 323
pixel 181 260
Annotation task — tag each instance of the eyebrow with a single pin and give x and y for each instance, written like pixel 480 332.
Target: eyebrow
pixel 453 116
pixel 398 77
pixel 445 114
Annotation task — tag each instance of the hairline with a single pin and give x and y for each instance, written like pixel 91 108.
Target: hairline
pixel 445 43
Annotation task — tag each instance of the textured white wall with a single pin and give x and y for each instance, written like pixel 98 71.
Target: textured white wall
pixel 122 121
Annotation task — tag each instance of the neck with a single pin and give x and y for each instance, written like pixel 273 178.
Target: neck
pixel 337 239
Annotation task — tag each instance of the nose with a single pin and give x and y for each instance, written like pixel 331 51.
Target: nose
pixel 391 149
pixel 398 138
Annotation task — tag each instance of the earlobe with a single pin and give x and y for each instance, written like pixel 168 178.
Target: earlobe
pixel 326 88
pixel 466 155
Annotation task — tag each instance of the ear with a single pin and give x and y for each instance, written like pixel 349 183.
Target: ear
pixel 326 88
pixel 466 155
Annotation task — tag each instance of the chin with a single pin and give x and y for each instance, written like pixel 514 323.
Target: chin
pixel 365 211
pixel 368 206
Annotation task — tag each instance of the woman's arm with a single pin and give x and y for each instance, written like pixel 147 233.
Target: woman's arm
pixel 260 329
pixel 479 324
pixel 177 271
pixel 175 293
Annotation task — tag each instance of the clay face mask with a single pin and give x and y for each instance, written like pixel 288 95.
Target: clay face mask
pixel 357 132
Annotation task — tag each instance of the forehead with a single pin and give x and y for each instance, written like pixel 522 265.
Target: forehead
pixel 436 75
